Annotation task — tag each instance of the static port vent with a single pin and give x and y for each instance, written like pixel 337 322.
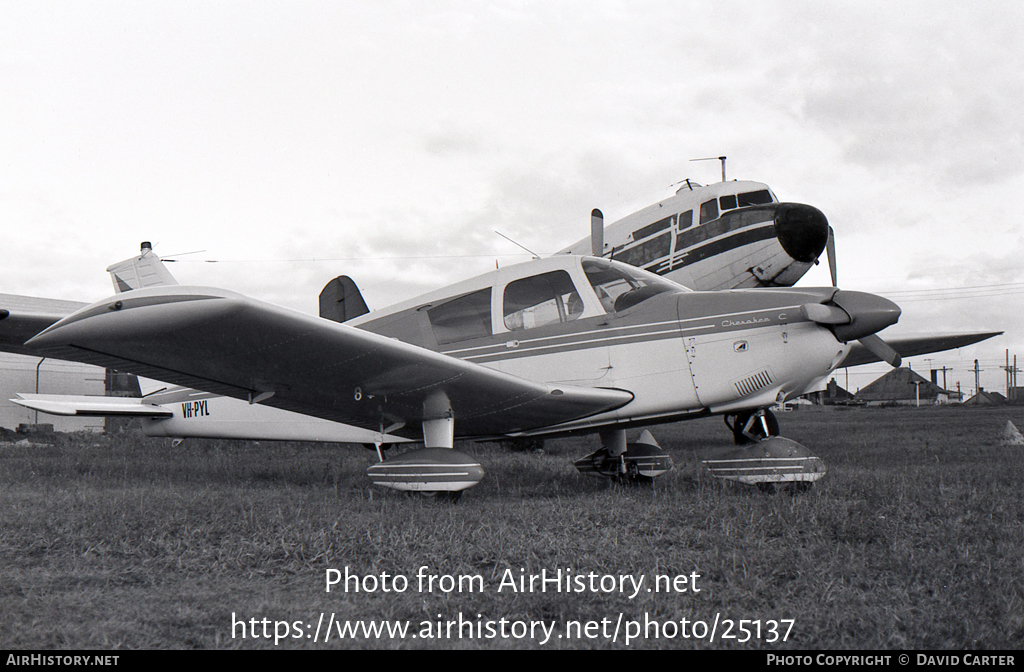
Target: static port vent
pixel 753 383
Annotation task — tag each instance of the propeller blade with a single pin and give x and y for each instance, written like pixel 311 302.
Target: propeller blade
pixel 596 232
pixel 830 250
pixel 881 349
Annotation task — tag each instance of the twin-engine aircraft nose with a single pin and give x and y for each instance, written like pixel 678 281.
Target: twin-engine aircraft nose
pixel 868 313
pixel 802 230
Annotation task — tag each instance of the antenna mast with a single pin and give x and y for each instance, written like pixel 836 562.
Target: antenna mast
pixel 715 158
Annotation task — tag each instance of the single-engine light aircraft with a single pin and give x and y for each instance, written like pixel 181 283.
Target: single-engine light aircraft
pixel 552 346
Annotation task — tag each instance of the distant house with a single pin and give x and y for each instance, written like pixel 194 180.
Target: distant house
pixel 986 398
pixel 903 386
pixel 832 394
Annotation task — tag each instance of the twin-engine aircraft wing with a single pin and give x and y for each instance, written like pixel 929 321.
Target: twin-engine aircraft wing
pixel 225 343
pixel 908 346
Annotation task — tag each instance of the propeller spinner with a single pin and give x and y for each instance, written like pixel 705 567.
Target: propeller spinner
pixel 858 316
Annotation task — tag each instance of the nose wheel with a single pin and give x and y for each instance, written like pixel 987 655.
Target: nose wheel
pixel 752 426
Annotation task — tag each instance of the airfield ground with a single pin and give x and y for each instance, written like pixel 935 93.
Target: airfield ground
pixel 915 539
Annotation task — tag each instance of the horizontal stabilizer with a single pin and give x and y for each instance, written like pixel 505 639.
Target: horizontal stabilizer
pixel 84 405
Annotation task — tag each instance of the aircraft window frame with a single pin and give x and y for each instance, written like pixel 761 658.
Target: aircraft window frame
pixel 463 318
pixel 688 217
pixel 749 198
pixel 727 202
pixel 619 286
pixel 654 228
pixel 709 211
pixel 543 299
pixel 644 253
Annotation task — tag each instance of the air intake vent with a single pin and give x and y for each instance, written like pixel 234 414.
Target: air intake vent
pixel 753 383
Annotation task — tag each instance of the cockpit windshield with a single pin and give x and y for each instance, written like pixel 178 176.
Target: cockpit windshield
pixel 620 286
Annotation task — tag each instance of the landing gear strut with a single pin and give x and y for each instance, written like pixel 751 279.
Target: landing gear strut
pixel 633 463
pixel 752 426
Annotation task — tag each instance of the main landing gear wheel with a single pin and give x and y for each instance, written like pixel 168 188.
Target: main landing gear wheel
pixel 639 463
pixel 752 426
pixel 449 496
pixel 790 488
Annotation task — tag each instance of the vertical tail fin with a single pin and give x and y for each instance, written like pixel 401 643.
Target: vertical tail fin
pixel 145 270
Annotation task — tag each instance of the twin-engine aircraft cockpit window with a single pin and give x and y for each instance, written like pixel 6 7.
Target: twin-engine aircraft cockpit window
pixel 761 197
pixel 542 299
pixel 709 210
pixel 462 318
pixel 620 287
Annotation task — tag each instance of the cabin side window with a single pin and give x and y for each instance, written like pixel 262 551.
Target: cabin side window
pixel 543 299
pixel 462 318
pixel 644 253
pixel 708 211
pixel 652 229
pixel 686 220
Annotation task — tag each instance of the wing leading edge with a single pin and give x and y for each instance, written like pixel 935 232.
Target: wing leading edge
pixel 22 317
pixel 225 343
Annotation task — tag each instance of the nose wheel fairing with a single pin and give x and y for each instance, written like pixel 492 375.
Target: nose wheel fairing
pixel 772 460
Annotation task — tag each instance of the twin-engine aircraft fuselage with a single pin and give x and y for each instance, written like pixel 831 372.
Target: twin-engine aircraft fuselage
pixel 728 235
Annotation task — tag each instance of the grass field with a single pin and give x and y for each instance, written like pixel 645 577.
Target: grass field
pixel 915 539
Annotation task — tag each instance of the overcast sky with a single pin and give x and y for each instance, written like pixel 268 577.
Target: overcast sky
pixel 292 141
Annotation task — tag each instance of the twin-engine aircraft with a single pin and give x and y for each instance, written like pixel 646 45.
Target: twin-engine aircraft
pixel 728 235
pixel 564 344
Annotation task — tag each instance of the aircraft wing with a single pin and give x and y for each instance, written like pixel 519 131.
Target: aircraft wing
pixel 22 317
pixel 908 346
pixel 225 343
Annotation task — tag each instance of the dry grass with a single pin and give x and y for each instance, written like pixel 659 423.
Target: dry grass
pixel 915 539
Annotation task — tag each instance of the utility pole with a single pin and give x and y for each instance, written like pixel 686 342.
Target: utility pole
pixel 1007 369
pixel 944 369
pixel 1011 376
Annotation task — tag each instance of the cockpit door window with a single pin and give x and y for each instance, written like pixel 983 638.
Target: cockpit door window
pixel 542 299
